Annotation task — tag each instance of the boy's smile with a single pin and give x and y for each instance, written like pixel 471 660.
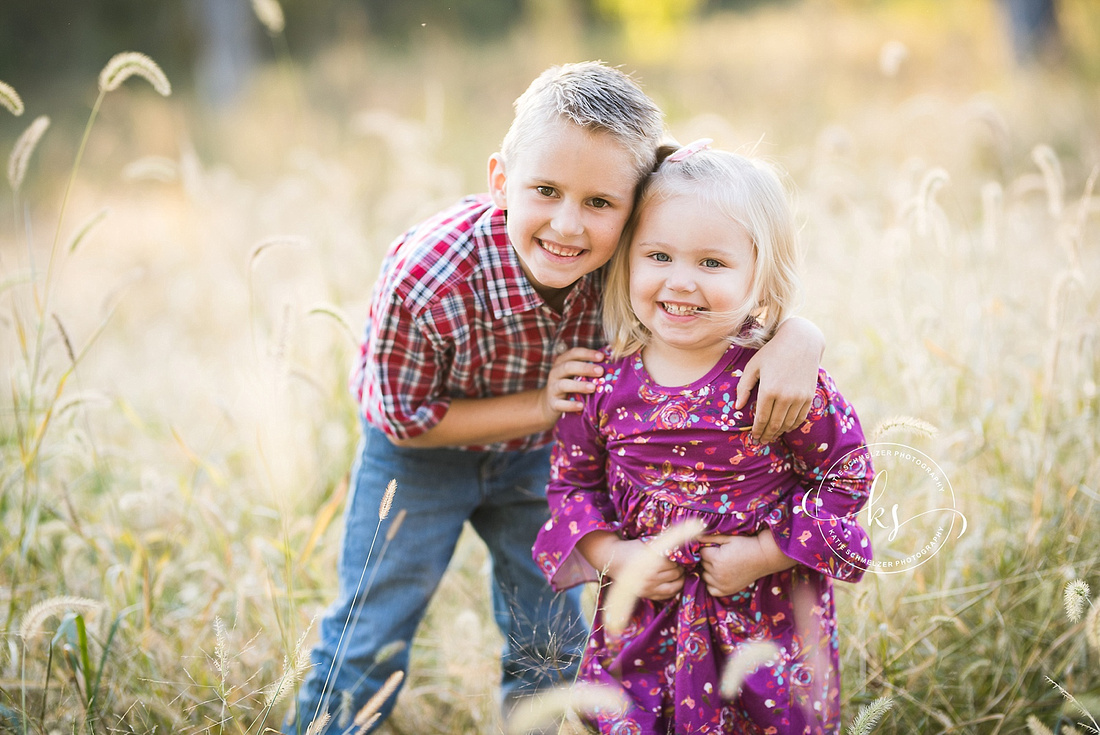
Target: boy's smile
pixel 568 195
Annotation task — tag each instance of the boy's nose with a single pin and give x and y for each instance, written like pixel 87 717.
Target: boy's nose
pixel 567 220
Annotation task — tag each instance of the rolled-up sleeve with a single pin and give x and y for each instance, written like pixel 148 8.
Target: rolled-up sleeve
pixel 408 360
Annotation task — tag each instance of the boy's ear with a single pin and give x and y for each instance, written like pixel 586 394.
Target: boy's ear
pixel 497 180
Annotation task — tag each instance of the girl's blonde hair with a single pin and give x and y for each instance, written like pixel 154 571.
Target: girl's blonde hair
pixel 747 191
pixel 595 97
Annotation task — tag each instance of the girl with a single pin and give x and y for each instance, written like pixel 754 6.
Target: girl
pixel 707 276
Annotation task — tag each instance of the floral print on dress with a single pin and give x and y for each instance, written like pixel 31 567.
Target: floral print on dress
pixel 641 457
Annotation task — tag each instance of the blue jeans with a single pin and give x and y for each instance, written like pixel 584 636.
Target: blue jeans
pixel 383 598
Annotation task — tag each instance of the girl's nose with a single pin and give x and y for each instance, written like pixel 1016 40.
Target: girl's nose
pixel 567 220
pixel 680 280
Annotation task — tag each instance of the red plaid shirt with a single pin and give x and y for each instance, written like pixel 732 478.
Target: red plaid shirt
pixel 454 316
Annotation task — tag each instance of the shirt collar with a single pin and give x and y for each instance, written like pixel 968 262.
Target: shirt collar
pixel 509 290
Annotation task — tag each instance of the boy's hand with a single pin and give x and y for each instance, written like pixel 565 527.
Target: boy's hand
pixel 562 381
pixel 732 563
pixel 786 368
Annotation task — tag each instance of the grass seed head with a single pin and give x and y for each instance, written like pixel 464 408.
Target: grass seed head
pixel 1036 727
pixel 396 525
pixel 387 500
pixel 1047 161
pixel 10 99
pixel 907 424
pixel 743 662
pixel 24 147
pixel 868 717
pixel 1076 597
pixel 54 606
pixel 318 725
pixel 129 63
pixel 270 14
pixel 623 593
pixel 365 715
pixel 1092 628
pixel 548 706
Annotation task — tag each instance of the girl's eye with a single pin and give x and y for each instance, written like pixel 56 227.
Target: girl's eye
pixel 662 257
pixel 600 203
pixel 712 263
pixel 546 191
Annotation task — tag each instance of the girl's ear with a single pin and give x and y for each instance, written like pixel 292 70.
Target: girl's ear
pixel 498 180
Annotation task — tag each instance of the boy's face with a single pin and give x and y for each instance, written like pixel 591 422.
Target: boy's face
pixel 568 195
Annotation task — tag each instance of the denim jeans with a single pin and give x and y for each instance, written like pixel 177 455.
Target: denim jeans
pixel 381 600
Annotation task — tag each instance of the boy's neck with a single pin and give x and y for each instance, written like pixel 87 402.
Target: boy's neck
pixel 554 297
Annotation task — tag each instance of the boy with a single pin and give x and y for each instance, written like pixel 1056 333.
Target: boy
pixel 481 320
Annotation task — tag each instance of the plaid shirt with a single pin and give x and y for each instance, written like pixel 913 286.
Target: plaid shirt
pixel 454 316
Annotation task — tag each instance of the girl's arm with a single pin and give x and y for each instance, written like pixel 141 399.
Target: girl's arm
pixel 580 502
pixel 817 520
pixel 786 368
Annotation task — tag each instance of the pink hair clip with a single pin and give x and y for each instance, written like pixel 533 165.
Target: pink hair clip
pixel 687 150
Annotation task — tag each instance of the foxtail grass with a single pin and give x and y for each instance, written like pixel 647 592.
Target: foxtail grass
pixel 368 714
pixel 548 707
pixel 1076 597
pixel 903 424
pixel 361 592
pixel 24 148
pixel 270 15
pixel 743 662
pixel 869 716
pixel 10 99
pixel 624 590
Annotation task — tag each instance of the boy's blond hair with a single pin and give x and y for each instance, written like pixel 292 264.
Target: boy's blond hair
pixel 596 98
pixel 748 192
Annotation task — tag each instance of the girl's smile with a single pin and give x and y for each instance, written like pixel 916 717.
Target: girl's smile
pixel 691 271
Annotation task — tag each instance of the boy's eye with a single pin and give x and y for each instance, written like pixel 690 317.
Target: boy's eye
pixel 712 263
pixel 546 191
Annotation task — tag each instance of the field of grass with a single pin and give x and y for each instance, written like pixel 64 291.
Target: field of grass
pixel 176 331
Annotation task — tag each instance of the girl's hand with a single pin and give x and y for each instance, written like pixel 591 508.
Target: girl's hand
pixel 657 578
pixel 562 381
pixel 732 563
pixel 653 576
pixel 786 368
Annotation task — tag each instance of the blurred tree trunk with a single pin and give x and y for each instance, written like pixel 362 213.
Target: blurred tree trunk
pixel 1033 25
pixel 225 53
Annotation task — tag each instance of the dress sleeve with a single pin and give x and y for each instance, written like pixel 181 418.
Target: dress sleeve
pixel 817 524
pixel 578 495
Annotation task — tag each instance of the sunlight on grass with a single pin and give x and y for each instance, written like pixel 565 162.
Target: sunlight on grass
pixel 175 428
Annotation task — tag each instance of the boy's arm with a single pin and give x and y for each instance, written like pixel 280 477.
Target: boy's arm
pixel 500 418
pixel 786 368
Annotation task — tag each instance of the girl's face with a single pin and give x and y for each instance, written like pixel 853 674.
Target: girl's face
pixel 691 271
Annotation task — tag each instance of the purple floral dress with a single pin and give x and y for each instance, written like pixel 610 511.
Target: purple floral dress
pixel 641 457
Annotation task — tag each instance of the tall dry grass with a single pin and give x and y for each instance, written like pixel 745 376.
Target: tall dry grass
pixel 175 431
